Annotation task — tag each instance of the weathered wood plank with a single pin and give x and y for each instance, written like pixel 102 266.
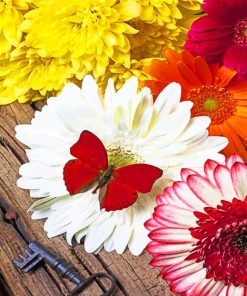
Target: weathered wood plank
pixel 11 244
pixel 12 154
pixel 134 275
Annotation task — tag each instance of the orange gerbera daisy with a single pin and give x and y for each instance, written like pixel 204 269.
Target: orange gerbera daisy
pixel 212 89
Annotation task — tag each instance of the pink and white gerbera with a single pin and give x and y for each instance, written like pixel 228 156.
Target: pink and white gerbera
pixel 199 231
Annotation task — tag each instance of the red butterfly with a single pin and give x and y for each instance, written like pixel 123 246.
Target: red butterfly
pixel 117 187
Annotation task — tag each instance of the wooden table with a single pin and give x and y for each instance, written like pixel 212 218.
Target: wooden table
pixel 134 275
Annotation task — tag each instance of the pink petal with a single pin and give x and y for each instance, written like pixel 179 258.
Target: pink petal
pixel 215 33
pixel 181 270
pixel 209 168
pixel 187 196
pixel 216 9
pixel 239 179
pixel 187 172
pixel 206 24
pixel 170 197
pixel 223 292
pixel 155 249
pixel 223 180
pixel 210 57
pixel 186 283
pixel 208 287
pixel 151 224
pixel 211 47
pixel 205 190
pixel 235 58
pixel 166 261
pixel 167 195
pixel 236 291
pixel 171 215
pixel 226 11
pixel 232 159
pixel 172 236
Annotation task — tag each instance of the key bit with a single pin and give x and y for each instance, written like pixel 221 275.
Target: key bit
pixel 38 254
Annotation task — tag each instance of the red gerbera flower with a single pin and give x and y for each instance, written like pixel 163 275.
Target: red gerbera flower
pixel 199 231
pixel 221 35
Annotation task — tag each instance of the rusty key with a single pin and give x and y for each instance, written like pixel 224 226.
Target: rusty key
pixel 37 254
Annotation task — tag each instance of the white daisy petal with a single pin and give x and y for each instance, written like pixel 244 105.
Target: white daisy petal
pixel 48 156
pixel 41 214
pixel 159 133
pixel 39 170
pixel 98 234
pixel 193 130
pixel 164 103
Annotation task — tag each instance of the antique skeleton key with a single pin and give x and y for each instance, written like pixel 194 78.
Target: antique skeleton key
pixel 37 254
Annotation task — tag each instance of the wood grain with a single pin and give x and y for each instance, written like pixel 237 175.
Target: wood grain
pixel 134 275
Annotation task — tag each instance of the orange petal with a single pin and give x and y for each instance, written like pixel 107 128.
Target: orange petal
pixel 188 75
pixel 225 76
pixel 188 59
pixel 241 111
pixel 214 130
pixel 239 125
pixel 238 87
pixel 240 95
pixel 242 102
pixel 203 71
pixel 171 55
pixel 161 71
pixel 214 68
pixel 155 86
pixel 235 144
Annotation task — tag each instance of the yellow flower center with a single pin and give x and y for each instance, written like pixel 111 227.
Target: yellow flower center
pixel 213 101
pixel 240 33
pixel 210 104
pixel 119 156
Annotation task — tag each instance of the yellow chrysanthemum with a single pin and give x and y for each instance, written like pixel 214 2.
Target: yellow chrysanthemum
pixel 151 39
pixel 11 16
pixel 162 23
pixel 159 11
pixel 92 31
pixel 119 73
pixel 65 40
pixel 25 76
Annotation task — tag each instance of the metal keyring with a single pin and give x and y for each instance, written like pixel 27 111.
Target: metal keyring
pixel 93 277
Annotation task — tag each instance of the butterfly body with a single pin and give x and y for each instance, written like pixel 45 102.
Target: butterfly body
pixel 104 178
pixel 118 186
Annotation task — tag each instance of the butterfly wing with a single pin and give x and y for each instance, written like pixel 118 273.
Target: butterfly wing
pixel 91 150
pixel 122 190
pixel 117 196
pixel 81 174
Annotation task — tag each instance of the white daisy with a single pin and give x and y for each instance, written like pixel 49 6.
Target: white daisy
pixel 161 134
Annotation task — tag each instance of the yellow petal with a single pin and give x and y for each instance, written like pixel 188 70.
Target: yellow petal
pixel 128 9
pixel 147 13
